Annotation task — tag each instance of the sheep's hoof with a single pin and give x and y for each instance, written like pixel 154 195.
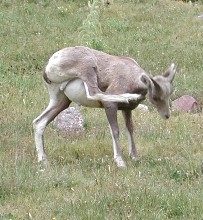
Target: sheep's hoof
pixel 43 165
pixel 120 163
pixel 135 158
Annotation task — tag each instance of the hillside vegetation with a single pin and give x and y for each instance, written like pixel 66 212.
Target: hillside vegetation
pixel 82 182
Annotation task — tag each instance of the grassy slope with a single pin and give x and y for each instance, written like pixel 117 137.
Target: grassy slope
pixel 82 181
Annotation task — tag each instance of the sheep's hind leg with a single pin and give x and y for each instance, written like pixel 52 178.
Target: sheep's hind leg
pixel 58 102
pixel 92 90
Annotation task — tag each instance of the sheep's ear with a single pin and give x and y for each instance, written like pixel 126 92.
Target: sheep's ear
pixel 150 82
pixel 146 80
pixel 156 86
pixel 170 72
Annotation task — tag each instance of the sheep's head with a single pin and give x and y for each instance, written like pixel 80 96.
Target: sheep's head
pixel 159 90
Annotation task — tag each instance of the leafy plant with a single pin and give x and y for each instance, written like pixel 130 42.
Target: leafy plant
pixel 90 33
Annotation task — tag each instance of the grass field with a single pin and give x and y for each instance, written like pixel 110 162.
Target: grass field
pixel 82 182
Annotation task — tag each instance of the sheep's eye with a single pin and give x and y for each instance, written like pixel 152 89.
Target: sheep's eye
pixel 155 99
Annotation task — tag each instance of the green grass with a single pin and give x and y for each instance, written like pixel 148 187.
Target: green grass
pixel 82 181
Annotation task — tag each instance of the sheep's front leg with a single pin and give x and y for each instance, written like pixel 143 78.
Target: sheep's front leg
pixel 111 113
pixel 129 130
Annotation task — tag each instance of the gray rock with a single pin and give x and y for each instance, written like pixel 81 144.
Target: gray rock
pixel 70 120
pixel 185 103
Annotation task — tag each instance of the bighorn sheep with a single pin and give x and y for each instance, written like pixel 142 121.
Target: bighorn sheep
pixel 95 79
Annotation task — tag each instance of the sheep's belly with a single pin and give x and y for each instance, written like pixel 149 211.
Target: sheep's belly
pixel 75 91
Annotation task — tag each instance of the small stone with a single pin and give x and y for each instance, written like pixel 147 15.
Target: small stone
pixel 200 17
pixel 185 103
pixel 69 120
pixel 143 108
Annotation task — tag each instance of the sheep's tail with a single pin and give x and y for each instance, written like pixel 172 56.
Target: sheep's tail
pixel 45 77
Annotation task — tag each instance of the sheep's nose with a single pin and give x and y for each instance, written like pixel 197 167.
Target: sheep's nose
pixel 167 116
